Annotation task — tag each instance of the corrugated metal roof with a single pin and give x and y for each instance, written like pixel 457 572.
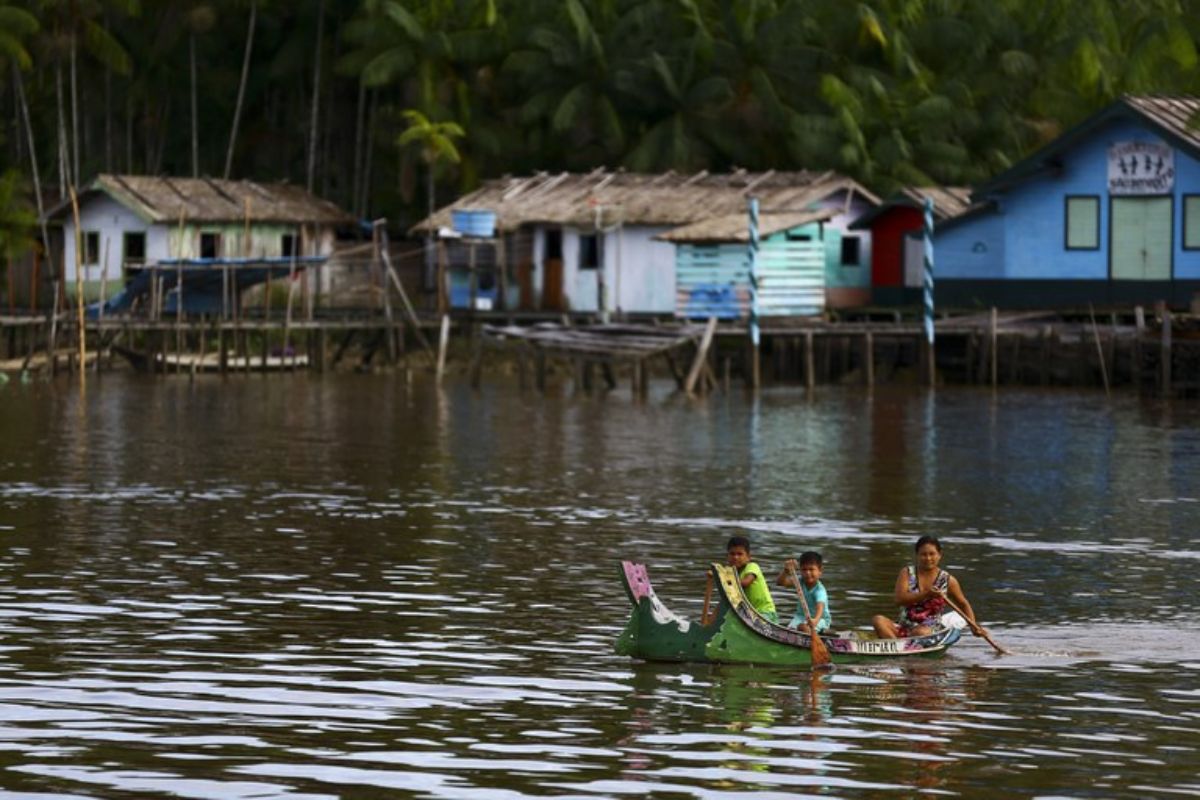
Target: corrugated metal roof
pixel 164 199
pixel 665 200
pixel 736 227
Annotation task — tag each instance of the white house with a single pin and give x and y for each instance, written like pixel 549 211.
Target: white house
pixel 130 221
pixel 587 242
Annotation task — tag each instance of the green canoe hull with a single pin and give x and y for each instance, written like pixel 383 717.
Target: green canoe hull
pixel 739 635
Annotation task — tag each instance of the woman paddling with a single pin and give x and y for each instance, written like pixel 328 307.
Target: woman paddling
pixel 922 594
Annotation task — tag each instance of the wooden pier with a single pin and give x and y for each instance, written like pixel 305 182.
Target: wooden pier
pixel 1149 351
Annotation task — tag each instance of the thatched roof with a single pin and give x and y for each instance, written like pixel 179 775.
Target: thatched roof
pixel 162 199
pixel 666 200
pixel 735 227
pixel 948 202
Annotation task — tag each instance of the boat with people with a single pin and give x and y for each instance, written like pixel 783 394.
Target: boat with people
pixel 734 632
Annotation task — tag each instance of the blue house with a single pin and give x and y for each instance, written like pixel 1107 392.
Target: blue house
pixel 1108 213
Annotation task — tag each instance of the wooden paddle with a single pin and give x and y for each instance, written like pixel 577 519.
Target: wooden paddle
pixel 708 587
pixel 820 653
pixel 978 631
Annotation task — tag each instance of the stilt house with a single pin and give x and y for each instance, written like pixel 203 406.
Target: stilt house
pixel 897 244
pixel 129 223
pixel 1108 213
pixel 593 242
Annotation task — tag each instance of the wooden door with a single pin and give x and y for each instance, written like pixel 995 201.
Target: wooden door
pixel 552 284
pixel 1141 238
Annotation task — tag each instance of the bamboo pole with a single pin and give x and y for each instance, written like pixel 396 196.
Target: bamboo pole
pixel 79 291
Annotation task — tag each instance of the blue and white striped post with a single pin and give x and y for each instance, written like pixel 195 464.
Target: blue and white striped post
pixel 927 287
pixel 752 255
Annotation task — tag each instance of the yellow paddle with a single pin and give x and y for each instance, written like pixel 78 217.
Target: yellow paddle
pixel 820 653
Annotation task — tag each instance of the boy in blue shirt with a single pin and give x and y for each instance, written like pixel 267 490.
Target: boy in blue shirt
pixel 809 571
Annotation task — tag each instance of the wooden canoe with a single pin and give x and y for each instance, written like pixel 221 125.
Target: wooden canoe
pixel 739 634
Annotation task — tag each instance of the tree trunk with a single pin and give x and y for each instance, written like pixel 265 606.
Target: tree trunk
pixel 33 167
pixel 129 133
pixel 195 116
pixel 356 188
pixel 369 143
pixel 63 178
pixel 237 109
pixel 316 98
pixel 430 272
pixel 74 114
pixel 108 126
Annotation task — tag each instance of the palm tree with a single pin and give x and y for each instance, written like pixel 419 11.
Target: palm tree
pixel 436 143
pixel 241 95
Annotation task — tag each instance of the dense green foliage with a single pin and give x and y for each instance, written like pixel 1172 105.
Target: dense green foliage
pixel 888 91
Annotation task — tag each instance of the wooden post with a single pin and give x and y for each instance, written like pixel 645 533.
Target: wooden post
pixel 931 363
pixel 1139 316
pixel 810 362
pixel 689 384
pixel 179 316
pixel 443 342
pixel 443 293
pixel 287 319
pixel 79 290
pixel 472 280
pixel 1165 350
pixel 869 359
pixel 1099 349
pixel 222 352
pixel 501 274
pixel 477 361
pixel 995 352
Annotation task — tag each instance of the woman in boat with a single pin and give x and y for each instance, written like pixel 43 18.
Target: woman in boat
pixel 921 592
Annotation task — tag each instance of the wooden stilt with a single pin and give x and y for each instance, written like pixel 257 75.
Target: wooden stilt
pixel 1165 350
pixel 810 366
pixel 710 329
pixel 1139 316
pixel 869 359
pixel 995 351
pixel 443 342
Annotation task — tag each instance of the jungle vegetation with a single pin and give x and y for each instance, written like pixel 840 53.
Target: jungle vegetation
pixel 322 92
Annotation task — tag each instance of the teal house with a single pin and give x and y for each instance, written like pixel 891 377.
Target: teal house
pixel 712 265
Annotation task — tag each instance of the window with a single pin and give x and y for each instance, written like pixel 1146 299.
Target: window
pixel 1191 222
pixel 798 237
pixel 287 246
pixel 210 245
pixel 135 247
pixel 91 247
pixel 851 251
pixel 553 244
pixel 1083 223
pixel 589 251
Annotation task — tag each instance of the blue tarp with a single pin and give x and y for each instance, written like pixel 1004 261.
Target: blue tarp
pixel 203 279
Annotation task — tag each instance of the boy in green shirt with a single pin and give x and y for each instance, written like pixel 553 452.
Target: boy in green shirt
pixel 754 585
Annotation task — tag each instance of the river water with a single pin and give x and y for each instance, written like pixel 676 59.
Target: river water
pixel 365 586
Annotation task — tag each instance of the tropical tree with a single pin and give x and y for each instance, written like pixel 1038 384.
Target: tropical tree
pixel 435 140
